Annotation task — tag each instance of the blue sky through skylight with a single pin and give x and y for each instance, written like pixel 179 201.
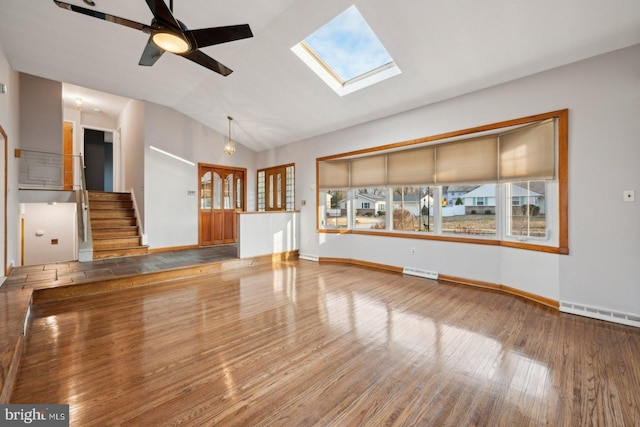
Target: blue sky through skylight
pixel 348 46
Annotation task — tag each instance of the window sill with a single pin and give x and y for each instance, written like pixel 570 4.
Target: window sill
pixel 444 238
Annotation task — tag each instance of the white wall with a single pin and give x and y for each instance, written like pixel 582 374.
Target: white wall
pixel 602 269
pixel 171 214
pixel 266 233
pixel 9 120
pixel 44 223
pixel 175 221
pixel 40 114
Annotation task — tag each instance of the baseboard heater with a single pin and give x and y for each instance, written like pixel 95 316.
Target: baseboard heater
pixel 427 274
pixel 600 313
pixel 308 257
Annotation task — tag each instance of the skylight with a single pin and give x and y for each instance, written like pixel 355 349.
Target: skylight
pixel 346 54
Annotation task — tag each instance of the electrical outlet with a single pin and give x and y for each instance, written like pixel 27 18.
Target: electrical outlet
pixel 629 195
pixel 413 251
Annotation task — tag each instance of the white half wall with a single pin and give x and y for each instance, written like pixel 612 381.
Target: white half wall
pixel 50 232
pixel 266 233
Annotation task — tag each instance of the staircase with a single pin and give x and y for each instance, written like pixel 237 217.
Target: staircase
pixel 113 226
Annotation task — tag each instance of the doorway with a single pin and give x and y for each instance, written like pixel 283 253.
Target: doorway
pixel 221 196
pixel 98 160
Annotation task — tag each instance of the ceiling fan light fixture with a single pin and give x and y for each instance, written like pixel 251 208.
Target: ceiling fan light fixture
pixel 171 42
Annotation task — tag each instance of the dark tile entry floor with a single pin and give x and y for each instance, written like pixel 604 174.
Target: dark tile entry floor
pixel 74 271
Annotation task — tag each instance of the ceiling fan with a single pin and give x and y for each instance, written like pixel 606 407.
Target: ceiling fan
pixel 166 33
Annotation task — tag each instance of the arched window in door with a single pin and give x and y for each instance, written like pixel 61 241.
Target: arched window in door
pixel 205 191
pixel 217 191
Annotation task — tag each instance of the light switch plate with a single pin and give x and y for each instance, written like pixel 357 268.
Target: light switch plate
pixel 629 195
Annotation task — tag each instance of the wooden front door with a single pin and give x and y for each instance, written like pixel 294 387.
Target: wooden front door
pixel 221 197
pixel 275 189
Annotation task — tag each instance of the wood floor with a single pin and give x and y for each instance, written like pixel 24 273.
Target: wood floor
pixel 322 344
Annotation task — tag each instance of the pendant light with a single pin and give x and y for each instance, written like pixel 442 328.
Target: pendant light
pixel 230 146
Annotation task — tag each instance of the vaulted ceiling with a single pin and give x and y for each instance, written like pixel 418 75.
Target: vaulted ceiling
pixel 443 48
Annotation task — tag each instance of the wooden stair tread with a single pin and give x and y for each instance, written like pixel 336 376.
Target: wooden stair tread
pixel 116 242
pixel 109 213
pixel 99 195
pixel 112 222
pixel 116 204
pixel 110 232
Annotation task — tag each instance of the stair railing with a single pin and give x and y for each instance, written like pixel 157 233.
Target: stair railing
pixel 83 195
pixel 143 237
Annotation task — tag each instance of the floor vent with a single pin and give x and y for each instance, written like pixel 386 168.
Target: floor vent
pixel 308 257
pixel 601 314
pixel 420 273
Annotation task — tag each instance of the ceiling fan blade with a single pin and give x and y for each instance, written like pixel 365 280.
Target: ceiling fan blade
pixel 151 54
pixel 210 36
pixel 163 14
pixel 207 62
pixel 103 16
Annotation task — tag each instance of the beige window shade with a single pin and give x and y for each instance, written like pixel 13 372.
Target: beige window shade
pixel 410 167
pixel 333 174
pixel 528 153
pixel 470 161
pixel 368 171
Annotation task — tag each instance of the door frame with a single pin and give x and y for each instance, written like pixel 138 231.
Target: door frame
pixel 6 151
pixel 233 169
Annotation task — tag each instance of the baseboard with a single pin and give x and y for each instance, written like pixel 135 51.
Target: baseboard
pixel 284 256
pixel 309 257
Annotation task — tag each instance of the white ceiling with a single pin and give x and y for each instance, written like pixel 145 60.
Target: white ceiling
pixel 444 49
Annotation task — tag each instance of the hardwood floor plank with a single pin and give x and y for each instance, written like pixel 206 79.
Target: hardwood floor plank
pixel 320 344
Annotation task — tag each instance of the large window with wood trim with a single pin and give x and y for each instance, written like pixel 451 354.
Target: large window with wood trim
pixel 501 184
pixel 276 188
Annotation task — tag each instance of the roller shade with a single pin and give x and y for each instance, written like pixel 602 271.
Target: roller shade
pixel 469 161
pixel 411 167
pixel 333 174
pixel 528 153
pixel 368 171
